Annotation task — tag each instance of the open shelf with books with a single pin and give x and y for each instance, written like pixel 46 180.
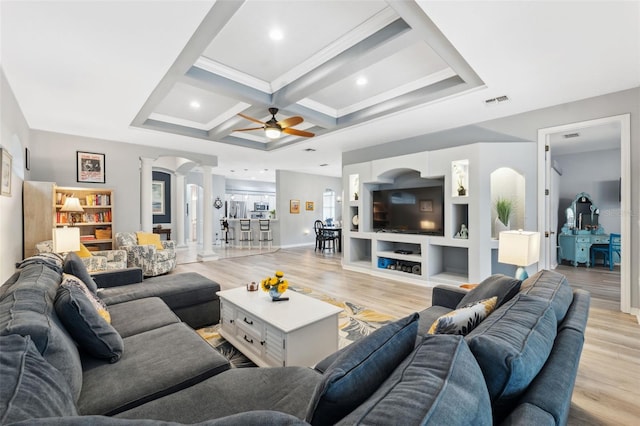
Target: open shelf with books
pixel 96 219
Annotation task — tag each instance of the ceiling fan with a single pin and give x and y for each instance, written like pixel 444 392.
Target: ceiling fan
pixel 274 128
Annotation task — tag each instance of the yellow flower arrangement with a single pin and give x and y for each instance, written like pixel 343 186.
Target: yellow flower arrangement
pixel 276 282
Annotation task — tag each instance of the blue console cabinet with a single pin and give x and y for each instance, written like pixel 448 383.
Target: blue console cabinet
pixel 576 248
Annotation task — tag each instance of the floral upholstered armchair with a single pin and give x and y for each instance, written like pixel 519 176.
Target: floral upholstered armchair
pixel 152 259
pixel 101 260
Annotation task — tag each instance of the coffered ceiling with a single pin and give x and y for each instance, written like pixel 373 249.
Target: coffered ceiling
pixel 129 70
pixel 336 64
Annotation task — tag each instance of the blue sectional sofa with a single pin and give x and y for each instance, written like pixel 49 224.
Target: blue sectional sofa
pixel 517 366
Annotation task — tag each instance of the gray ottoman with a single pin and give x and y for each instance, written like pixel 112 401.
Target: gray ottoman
pixel 190 295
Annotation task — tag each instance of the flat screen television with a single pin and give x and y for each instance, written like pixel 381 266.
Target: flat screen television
pixel 409 210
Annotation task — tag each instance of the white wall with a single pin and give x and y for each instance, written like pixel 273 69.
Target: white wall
pixel 14 137
pixel 297 229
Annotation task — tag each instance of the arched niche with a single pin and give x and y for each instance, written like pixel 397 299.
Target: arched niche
pixel 506 183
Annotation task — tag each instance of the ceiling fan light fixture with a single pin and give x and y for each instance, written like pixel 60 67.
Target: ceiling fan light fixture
pixel 272 132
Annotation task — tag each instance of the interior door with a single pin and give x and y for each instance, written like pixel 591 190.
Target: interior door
pixel 549 238
pixel 554 205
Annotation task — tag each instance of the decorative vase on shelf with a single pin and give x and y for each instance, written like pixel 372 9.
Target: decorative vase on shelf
pixel 462 191
pixel 274 293
pixel 499 226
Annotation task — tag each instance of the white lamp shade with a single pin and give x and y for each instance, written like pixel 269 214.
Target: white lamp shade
pixel 520 248
pixel 66 239
pixel 71 204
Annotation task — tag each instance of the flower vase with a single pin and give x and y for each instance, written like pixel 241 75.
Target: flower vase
pixel 499 227
pixel 274 293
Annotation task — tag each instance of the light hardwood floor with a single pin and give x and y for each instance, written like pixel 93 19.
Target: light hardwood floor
pixel 607 390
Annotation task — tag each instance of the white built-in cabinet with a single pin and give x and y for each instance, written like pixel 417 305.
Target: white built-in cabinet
pixel 474 175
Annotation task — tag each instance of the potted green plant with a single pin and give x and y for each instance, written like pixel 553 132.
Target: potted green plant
pixel 504 207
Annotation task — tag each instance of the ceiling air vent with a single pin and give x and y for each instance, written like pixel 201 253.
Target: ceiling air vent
pixel 496 100
pixel 571 135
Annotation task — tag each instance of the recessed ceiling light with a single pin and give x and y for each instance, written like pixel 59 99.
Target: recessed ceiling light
pixel 309 149
pixel 324 165
pixel 361 81
pixel 276 34
pixel 194 104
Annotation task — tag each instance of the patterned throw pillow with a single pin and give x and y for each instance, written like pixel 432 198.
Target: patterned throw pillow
pixel 463 320
pixel 145 238
pixel 96 302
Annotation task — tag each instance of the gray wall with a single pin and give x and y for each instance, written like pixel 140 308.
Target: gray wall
pixel 297 229
pixel 597 173
pixel 53 159
pixel 525 127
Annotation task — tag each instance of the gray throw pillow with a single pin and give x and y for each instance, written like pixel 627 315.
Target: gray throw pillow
pixel 86 323
pixel 360 369
pixel 501 286
pixel 511 347
pixel 73 265
pixel 30 387
pixel 439 383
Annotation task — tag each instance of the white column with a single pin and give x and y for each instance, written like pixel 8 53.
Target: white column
pixel 207 220
pixel 180 217
pixel 146 179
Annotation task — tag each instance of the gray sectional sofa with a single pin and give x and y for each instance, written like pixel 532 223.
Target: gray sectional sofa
pixel 517 366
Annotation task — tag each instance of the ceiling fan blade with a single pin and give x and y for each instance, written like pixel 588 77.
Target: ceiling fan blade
pixel 246 130
pixel 255 120
pixel 297 132
pixel 291 121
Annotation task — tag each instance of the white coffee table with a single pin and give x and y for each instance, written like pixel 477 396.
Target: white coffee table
pixel 300 331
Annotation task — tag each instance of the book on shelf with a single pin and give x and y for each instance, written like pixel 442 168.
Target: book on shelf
pixel 87 237
pixel 97 200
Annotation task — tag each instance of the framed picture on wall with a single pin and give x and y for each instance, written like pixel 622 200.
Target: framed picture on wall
pixel 294 206
pixel 5 172
pixel 157 197
pixel 309 205
pixel 90 167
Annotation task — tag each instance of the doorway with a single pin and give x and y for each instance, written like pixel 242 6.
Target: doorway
pixel 545 202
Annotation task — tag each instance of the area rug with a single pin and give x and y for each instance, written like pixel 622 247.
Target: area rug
pixel 354 322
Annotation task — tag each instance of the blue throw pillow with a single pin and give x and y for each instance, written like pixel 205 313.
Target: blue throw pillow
pixel 84 322
pixel 360 369
pixel 439 383
pixel 30 387
pixel 73 265
pixel 511 347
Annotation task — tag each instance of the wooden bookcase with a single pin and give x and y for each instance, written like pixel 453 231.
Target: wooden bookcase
pixel 95 223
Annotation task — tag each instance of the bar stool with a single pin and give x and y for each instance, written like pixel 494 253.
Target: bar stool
pixel 227 231
pixel 265 232
pixel 245 232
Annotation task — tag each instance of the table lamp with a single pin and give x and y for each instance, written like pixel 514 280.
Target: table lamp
pixel 71 206
pixel 66 239
pixel 520 248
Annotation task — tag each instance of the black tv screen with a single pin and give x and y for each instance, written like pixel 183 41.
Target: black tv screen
pixel 409 210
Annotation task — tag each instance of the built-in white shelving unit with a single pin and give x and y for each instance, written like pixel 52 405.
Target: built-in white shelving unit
pixel 429 259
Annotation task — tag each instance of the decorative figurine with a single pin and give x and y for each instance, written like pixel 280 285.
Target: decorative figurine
pixel 463 233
